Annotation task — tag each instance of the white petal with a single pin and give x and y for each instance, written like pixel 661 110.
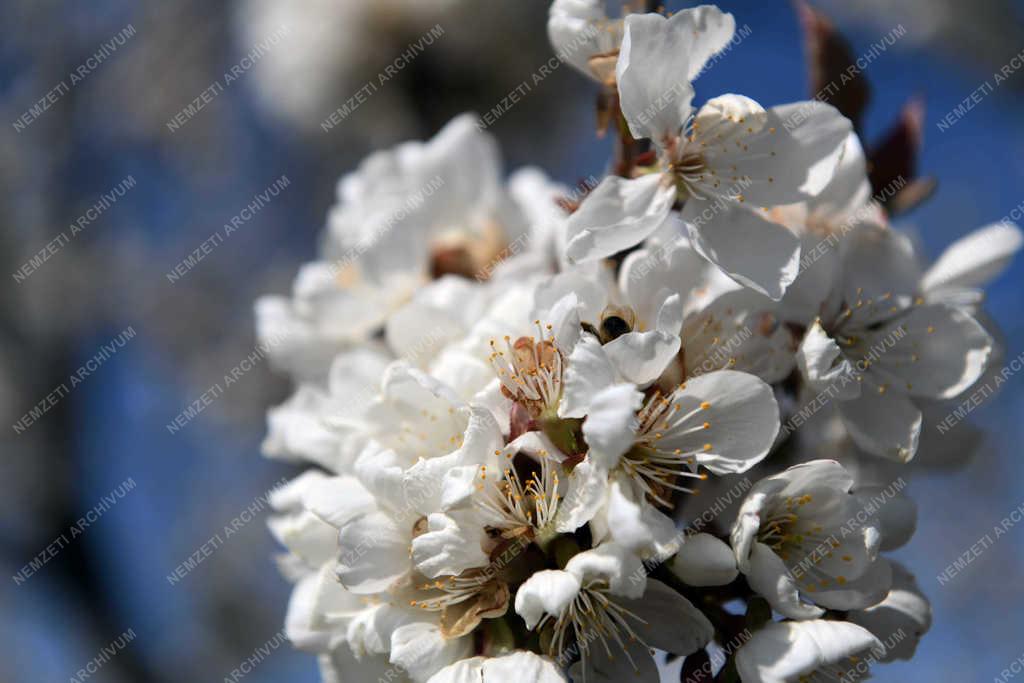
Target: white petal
pixel 586 494
pixel 525 667
pixel 576 29
pixel 975 259
pixel 289 496
pixel 815 474
pixel 307 536
pixel 564 318
pixel 784 651
pixel 618 214
pixel 633 523
pixel 548 591
pixel 614 666
pixel 589 372
pixel 748 522
pixel 445 482
pixel 817 138
pixel 880 273
pixel 293 341
pixel 823 366
pixel 816 285
pixel 870 588
pixel 850 189
pixel 641 357
pixel 942 352
pixel 737 328
pixel 670 316
pixel 468 161
pixel 337 500
pixel 752 250
pixel 450 545
pixel 704 560
pixel 614 564
pixel 354 372
pixel 611 424
pixel 341 666
pixel 297 429
pixel 583 283
pixel 661 607
pixel 659 58
pixel 464 671
pixel 303 620
pixel 466 373
pixel 885 424
pixel 778 156
pixel 374 553
pixel 379 469
pixel 418 331
pixel 647 272
pixel 370 631
pixel 895 514
pixel 769 578
pixel 905 610
pixel 421 650
pixel 732 412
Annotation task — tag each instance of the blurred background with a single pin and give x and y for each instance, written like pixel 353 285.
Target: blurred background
pixel 106 169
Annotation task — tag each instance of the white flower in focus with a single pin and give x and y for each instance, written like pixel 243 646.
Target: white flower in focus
pixel 800 534
pixel 604 604
pixel 726 163
pixel 797 651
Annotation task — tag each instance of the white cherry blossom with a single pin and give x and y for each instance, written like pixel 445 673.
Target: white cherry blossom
pixel 727 164
pixel 803 543
pixel 877 344
pixel 791 651
pixel 604 604
pixel 506 397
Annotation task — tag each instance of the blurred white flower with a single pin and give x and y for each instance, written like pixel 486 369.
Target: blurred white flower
pixel 327 50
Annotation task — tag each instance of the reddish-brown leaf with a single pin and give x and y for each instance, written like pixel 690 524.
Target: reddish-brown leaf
pixel 834 76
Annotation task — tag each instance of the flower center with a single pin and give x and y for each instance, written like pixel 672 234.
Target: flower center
pixel 472 255
pixel 518 508
pixel 530 372
pixel 690 171
pixel 594 615
pixel 463 600
pixel 803 546
pixel 658 470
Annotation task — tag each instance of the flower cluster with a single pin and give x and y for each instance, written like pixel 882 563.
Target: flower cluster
pixel 510 393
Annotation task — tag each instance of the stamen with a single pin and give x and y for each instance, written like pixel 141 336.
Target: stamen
pixel 594 615
pixel 515 507
pixel 530 371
